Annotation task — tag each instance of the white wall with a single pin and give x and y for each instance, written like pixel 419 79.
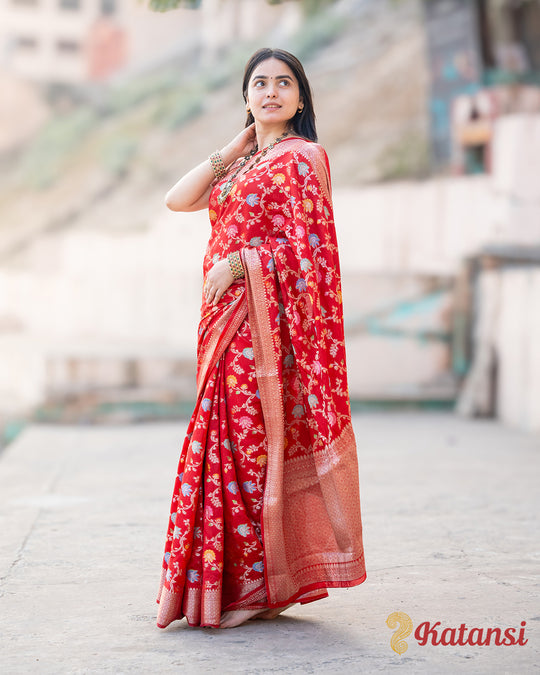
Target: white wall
pixel 507 340
pixel 517 343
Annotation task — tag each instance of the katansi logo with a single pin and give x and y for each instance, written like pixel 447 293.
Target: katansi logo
pixel 434 634
pixel 404 621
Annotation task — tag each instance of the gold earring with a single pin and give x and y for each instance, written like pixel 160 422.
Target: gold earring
pixel 248 110
pixel 300 109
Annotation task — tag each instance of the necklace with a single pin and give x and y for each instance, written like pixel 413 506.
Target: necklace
pixel 225 190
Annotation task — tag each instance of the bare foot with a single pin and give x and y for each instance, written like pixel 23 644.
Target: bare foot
pixel 237 617
pixel 272 613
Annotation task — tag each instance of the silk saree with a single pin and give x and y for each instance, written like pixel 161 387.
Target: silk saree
pixel 265 508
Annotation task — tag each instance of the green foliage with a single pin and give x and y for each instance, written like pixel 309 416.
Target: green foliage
pixel 117 154
pixel 166 5
pixel 309 6
pixel 45 158
pixel 137 91
pixel 217 76
pixel 179 107
pixel 312 7
pixel 407 158
pixel 317 32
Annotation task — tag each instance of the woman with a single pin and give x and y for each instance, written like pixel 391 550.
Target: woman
pixel 265 509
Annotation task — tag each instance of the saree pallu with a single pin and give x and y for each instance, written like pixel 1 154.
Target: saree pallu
pixel 265 508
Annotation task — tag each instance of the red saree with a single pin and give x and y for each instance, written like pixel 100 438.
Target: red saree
pixel 265 508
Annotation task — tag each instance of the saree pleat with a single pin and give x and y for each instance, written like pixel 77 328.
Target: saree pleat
pixel 266 507
pixel 219 489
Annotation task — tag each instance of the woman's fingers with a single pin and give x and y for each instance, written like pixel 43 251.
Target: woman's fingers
pixel 218 280
pixel 243 142
pixel 212 294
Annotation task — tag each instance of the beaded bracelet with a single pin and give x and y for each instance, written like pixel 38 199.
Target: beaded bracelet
pixel 235 263
pixel 216 160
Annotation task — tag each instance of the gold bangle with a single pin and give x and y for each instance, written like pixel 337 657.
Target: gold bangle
pixel 235 264
pixel 216 160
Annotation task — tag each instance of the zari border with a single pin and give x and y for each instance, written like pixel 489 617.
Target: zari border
pixel 170 604
pixel 270 388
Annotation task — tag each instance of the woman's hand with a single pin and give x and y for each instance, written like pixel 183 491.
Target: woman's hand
pixel 192 191
pixel 218 280
pixel 241 145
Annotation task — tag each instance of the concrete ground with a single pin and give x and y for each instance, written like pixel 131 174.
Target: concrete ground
pixel 451 535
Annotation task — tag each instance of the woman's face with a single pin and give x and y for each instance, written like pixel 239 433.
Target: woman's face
pixel 273 92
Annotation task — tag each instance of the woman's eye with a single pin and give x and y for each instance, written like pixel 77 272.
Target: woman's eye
pixel 284 82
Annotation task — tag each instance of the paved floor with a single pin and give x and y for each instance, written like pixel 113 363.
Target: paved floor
pixel 451 535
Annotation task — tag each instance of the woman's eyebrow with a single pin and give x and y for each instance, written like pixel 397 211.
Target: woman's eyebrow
pixel 278 77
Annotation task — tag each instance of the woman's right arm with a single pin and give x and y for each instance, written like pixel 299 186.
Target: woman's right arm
pixel 192 191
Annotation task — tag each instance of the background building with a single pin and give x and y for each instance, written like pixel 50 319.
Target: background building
pixel 76 41
pixel 484 61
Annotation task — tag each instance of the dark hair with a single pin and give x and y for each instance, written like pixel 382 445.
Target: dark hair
pixel 303 123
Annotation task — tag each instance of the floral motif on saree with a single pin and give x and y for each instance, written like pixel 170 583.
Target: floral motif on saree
pixel 266 508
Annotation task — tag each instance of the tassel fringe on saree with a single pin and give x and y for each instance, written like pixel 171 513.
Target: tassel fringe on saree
pixel 265 508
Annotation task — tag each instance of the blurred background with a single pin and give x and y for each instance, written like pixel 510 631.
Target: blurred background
pixel 430 114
